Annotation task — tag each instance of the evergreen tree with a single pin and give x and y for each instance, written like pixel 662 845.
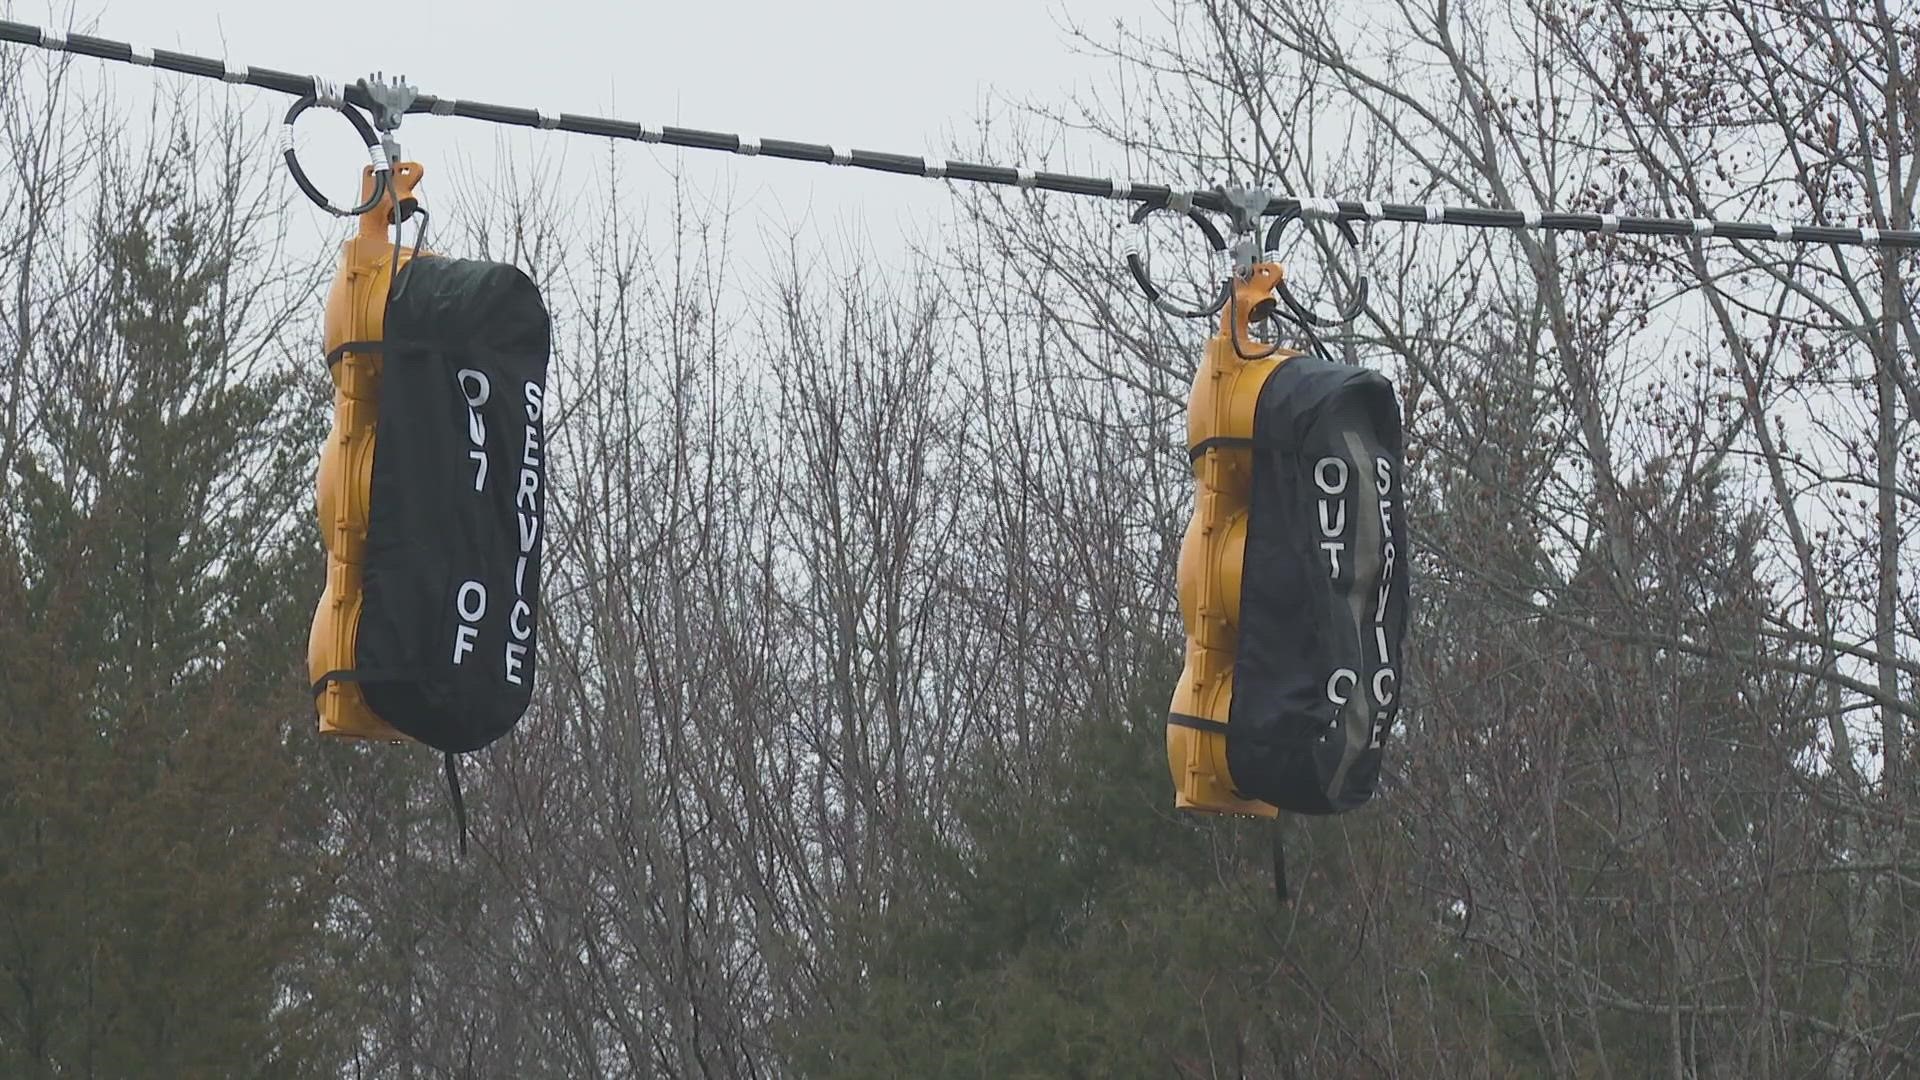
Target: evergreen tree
pixel 151 907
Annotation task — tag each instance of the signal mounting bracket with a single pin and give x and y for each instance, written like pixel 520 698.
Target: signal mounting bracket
pixel 391 99
pixel 1244 207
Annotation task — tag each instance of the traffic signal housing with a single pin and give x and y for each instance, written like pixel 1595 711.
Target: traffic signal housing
pixel 1292 576
pixel 1220 418
pixel 355 325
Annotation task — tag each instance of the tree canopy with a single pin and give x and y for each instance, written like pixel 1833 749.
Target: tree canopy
pixel 847 755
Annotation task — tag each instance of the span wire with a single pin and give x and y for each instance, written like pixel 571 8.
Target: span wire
pixel 937 168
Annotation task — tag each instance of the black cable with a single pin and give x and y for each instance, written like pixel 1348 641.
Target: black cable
pixel 382 171
pixel 1233 330
pixel 913 165
pixel 1138 267
pixel 409 208
pixel 1302 314
pixel 419 231
pixel 1319 347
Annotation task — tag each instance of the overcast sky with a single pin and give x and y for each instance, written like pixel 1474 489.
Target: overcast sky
pixel 908 77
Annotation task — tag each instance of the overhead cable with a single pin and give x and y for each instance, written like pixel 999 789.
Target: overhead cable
pixel 918 165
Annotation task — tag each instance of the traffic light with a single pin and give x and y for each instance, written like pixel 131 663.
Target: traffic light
pixel 355 323
pixel 1220 416
pixel 1292 575
pixel 432 490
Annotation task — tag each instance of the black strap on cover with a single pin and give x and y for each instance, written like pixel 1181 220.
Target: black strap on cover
pixel 459 804
pixel 453 768
pixel 346 347
pixel 363 675
pixel 1198 723
pixel 1280 892
pixel 1199 450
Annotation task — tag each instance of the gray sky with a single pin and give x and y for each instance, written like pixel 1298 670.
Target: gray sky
pixel 883 76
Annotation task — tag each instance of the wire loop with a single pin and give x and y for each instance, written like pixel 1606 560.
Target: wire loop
pixel 382 171
pixel 1138 266
pixel 1299 312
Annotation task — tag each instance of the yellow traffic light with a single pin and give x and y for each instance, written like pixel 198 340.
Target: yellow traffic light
pixel 356 313
pixel 1220 419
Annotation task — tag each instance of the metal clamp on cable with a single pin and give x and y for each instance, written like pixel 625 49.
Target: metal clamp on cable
pixel 382 171
pixel 1138 266
pixel 389 99
pixel 1244 207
